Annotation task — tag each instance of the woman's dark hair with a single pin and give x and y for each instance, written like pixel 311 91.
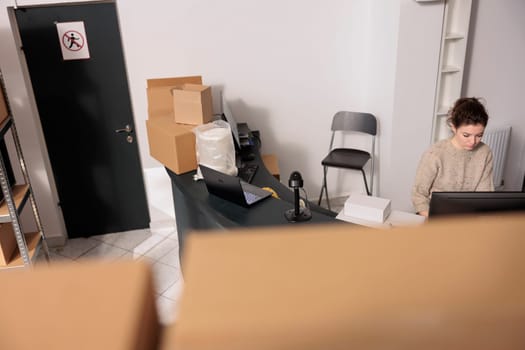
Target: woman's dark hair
pixel 467 111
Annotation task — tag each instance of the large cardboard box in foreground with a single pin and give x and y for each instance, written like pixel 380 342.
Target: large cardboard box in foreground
pixel 172 144
pixel 8 244
pixel 90 305
pixel 160 100
pixel 192 104
pixel 454 284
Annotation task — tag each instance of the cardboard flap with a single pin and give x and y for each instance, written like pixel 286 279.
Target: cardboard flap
pixel 160 100
pixel 190 88
pixel 160 82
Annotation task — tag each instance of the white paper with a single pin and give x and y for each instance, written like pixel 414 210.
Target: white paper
pixel 367 207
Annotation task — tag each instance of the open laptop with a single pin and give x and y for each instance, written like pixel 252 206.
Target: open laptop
pixel 232 188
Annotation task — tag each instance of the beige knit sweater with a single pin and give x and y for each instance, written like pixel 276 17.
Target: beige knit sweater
pixel 443 167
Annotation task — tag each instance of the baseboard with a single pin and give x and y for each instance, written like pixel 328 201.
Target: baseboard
pixel 56 241
pixel 162 226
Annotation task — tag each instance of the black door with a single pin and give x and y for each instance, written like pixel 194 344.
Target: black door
pixel 81 103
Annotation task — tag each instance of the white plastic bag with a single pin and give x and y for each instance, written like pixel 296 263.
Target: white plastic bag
pixel 215 149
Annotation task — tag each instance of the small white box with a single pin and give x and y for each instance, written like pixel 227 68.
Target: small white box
pixel 367 207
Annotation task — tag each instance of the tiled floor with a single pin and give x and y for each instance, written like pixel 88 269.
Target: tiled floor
pixel 160 249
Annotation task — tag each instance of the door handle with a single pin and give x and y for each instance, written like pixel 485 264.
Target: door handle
pixel 127 129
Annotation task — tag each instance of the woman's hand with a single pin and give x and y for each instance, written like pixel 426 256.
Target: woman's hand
pixel 423 213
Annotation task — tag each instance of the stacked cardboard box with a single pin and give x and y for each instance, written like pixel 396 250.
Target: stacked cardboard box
pixel 272 164
pixel 8 244
pixel 7 237
pixel 3 107
pixel 192 104
pixel 175 107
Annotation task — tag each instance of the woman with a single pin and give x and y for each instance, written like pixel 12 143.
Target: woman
pixel 459 163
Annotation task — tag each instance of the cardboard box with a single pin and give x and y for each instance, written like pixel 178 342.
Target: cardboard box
pixel 172 144
pixel 160 100
pixel 89 305
pixel 272 165
pixel 3 107
pixel 8 245
pixel 192 104
pixel 367 207
pixel 449 284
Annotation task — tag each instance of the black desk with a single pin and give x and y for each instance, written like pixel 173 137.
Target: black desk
pixel 195 209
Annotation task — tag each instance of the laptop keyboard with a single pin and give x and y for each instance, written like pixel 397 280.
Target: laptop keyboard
pixel 250 197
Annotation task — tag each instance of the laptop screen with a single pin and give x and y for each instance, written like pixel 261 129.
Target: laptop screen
pixel 230 188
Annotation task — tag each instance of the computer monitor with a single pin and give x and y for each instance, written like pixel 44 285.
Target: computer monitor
pixel 227 113
pixel 456 203
pixel 242 136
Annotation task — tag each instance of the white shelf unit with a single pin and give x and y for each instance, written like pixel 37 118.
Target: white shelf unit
pixel 456 19
pixel 15 199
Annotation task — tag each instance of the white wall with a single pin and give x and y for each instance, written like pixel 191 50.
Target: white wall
pixel 379 85
pixel 419 39
pixel 495 72
pixel 286 66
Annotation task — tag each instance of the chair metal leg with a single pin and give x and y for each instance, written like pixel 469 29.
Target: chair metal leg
pixel 372 184
pixel 372 173
pixel 366 183
pixel 322 187
pixel 325 189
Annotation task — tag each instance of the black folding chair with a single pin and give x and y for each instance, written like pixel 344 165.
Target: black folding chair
pixel 350 158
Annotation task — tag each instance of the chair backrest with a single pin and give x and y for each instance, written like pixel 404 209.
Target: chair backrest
pixel 355 121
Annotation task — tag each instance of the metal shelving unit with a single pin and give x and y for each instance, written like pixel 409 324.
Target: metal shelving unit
pixel 16 198
pixel 456 20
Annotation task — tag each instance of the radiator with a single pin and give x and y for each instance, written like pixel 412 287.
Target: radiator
pixel 498 141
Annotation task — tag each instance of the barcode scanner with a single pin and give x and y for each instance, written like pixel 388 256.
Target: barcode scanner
pixel 297 214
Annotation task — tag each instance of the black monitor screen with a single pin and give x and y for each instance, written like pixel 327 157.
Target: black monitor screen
pixel 233 123
pixel 454 203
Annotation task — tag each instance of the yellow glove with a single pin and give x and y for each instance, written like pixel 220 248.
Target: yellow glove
pixel 269 189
